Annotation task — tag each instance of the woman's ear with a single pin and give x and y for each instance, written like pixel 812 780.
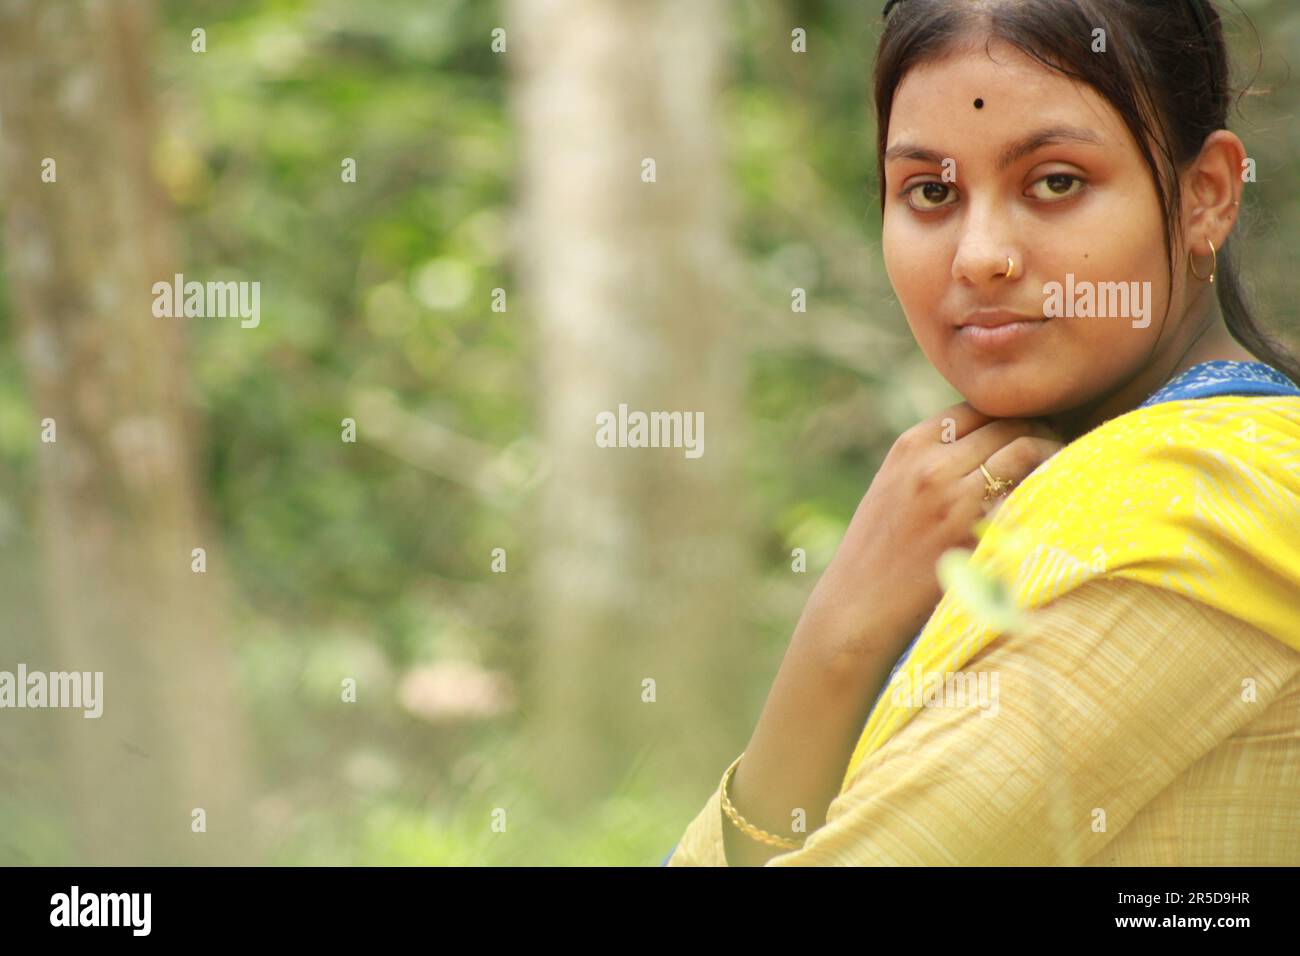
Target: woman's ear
pixel 1215 184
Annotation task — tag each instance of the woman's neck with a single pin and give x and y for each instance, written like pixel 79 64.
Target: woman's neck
pixel 1209 341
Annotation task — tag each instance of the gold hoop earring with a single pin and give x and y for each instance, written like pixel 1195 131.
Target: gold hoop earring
pixel 1191 263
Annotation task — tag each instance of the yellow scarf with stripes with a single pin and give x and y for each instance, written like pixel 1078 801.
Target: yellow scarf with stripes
pixel 1201 496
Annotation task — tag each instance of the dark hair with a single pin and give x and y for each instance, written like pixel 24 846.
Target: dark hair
pixel 1166 73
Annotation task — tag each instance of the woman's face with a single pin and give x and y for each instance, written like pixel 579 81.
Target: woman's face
pixel 1076 207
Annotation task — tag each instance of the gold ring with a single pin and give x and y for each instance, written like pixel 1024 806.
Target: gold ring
pixel 995 487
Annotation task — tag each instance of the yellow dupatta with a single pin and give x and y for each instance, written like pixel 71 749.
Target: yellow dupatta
pixel 1200 496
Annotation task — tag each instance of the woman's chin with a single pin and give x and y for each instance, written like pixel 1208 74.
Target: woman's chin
pixel 1028 387
pixel 1007 401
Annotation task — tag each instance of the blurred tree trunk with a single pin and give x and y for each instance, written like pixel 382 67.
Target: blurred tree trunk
pixel 118 498
pixel 642 556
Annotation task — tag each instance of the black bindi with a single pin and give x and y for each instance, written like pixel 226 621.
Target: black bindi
pixel 979 104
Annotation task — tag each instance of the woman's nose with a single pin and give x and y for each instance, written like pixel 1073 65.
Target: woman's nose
pixel 985 253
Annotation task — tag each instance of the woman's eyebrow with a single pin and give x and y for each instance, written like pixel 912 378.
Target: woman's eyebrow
pixel 1048 136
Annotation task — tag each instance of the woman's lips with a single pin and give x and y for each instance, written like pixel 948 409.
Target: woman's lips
pixel 997 336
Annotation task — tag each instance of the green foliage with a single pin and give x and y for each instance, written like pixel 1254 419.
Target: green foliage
pixel 385 284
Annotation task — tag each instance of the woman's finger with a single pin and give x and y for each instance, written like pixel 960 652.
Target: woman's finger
pixel 956 422
pixel 1013 462
pixel 977 447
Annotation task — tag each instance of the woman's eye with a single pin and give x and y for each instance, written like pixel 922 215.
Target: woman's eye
pixel 926 196
pixel 1058 186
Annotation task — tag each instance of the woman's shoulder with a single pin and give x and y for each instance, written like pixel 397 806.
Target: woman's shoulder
pixel 1229 421
pixel 1201 497
pixel 1204 467
pixel 1225 442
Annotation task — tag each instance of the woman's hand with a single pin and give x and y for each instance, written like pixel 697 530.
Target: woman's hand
pixel 881 585
pixel 873 597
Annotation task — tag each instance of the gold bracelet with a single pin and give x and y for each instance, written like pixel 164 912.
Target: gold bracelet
pixel 747 828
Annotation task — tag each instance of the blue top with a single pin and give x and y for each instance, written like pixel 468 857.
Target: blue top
pixel 1220 377
pixel 1204 380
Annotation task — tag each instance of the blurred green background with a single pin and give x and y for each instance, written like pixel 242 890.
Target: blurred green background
pixel 373 560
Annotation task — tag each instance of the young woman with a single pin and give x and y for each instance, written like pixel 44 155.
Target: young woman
pixel 1059 191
